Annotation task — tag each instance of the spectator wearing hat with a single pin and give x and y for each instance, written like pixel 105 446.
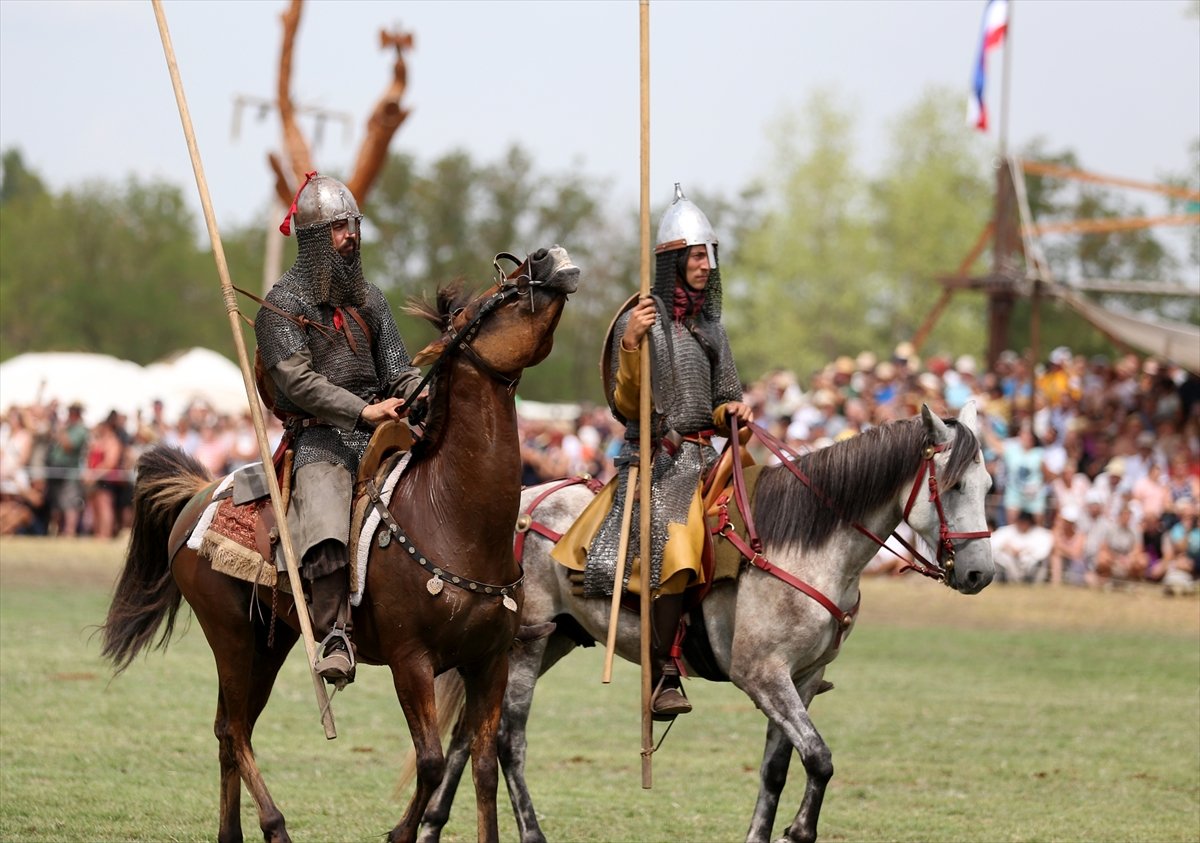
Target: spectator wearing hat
pixel 1056 384
pixel 1071 487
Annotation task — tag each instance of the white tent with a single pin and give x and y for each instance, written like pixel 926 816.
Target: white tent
pixel 102 383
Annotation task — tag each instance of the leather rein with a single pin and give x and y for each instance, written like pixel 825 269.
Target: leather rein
pixel 751 548
pixel 509 286
pixel 943 562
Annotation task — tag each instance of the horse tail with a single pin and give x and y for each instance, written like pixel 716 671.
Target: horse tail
pixel 146 593
pixel 450 695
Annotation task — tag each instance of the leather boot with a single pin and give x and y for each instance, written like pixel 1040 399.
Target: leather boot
pixel 668 700
pixel 330 613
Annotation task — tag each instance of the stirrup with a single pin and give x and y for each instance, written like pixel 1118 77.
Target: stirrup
pixel 336 665
pixel 668 701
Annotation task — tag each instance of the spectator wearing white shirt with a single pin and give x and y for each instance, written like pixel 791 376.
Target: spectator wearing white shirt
pixel 1021 550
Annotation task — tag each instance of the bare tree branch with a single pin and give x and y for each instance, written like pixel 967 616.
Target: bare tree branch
pixel 283 183
pixel 387 117
pixel 382 125
pixel 295 146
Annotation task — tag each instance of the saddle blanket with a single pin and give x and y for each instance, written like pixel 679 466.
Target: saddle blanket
pixel 225 533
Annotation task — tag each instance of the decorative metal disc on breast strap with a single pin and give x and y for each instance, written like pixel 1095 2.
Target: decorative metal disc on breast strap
pixel 392 530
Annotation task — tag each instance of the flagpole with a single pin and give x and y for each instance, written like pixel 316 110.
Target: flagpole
pixel 1004 83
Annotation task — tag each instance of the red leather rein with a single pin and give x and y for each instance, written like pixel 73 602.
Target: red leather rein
pixel 751 546
pixel 936 569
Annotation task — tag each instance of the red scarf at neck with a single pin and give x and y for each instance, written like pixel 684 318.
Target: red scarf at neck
pixel 688 302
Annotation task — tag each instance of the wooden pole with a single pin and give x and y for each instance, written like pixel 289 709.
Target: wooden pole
pixel 1004 85
pixel 264 446
pixel 614 611
pixel 644 456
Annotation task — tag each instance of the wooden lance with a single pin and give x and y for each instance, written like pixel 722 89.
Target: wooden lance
pixel 644 456
pixel 264 447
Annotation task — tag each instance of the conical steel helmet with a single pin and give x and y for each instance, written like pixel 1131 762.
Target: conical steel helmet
pixel 324 200
pixel 685 225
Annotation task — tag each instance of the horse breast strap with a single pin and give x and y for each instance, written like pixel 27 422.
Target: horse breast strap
pixel 392 530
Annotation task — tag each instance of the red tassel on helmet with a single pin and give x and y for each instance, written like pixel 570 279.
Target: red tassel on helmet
pixel 285 228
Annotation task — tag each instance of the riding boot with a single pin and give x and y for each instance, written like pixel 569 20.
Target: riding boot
pixel 330 615
pixel 668 700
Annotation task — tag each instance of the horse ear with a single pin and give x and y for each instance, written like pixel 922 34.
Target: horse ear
pixel 968 417
pixel 430 352
pixel 938 431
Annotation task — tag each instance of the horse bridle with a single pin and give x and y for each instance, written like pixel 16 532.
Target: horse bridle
pixel 943 563
pixel 944 559
pixel 509 286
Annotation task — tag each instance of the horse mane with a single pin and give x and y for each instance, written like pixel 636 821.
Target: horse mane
pixel 450 296
pixel 855 476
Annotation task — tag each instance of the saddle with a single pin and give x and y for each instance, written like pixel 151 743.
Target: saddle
pixel 239 533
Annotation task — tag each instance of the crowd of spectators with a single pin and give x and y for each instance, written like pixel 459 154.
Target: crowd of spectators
pixel 61 477
pixel 1096 462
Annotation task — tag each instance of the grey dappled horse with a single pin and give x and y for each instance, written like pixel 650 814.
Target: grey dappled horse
pixel 770 638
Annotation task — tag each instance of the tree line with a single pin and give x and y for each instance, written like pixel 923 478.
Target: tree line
pixel 818 258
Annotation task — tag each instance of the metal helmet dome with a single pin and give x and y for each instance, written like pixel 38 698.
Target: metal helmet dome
pixel 323 200
pixel 685 225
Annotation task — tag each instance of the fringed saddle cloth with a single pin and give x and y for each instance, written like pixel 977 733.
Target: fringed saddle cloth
pixel 236 531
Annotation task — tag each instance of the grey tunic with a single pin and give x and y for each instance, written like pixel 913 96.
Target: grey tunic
pixel 328 454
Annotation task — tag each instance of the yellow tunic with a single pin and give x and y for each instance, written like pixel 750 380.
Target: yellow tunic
pixel 684 547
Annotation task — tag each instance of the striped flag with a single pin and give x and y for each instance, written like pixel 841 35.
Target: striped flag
pixel 995 24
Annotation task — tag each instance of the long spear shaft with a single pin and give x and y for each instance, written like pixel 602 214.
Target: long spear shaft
pixel 264 447
pixel 644 458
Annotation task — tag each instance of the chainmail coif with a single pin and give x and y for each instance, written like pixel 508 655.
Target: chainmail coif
pixel 334 280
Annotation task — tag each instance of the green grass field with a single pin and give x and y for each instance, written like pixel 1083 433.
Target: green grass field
pixel 1016 715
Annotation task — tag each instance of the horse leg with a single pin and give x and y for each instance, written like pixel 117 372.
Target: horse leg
pixel 772 775
pixel 414 689
pixel 481 718
pixel 246 671
pixel 437 812
pixel 781 703
pixel 526 664
pixel 246 684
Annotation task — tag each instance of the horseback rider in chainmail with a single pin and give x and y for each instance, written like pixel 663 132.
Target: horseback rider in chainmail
pixel 695 387
pixel 337 368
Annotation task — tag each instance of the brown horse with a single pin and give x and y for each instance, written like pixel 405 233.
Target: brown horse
pixel 457 502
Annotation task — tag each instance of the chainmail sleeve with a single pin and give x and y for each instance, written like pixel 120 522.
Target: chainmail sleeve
pixel 726 384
